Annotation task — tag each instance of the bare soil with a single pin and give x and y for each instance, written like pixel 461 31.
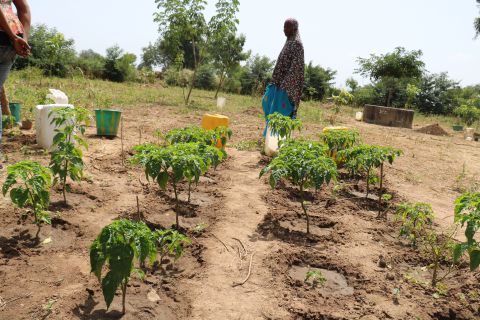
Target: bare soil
pixel 250 252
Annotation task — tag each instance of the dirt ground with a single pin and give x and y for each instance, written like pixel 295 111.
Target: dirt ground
pixel 241 230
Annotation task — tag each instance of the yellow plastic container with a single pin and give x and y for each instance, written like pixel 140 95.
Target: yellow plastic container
pixel 212 121
pixel 326 129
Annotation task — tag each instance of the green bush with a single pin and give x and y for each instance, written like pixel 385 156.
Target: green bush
pixel 205 78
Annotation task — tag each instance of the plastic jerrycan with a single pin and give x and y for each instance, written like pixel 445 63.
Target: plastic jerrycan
pixel 337 128
pixel 45 130
pixel 271 143
pixel 212 121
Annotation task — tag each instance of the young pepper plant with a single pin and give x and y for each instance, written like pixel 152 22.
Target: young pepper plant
pixel 29 184
pixel 67 158
pixel 177 163
pixel 338 140
pixel 199 135
pixel 303 166
pixel 415 219
pixel 283 126
pixel 171 242
pixel 467 211
pixel 118 246
pixel 364 158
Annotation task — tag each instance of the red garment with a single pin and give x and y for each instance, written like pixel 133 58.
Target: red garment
pixel 12 18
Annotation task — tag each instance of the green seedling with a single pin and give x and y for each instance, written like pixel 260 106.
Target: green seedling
pixel 305 165
pixel 28 184
pixel 317 278
pixel 283 126
pixel 439 248
pixel 415 219
pixel 67 158
pixel 467 211
pixel 115 250
pixel 171 242
pixel 396 295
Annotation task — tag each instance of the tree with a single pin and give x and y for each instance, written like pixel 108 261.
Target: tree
pixel 394 69
pixel 119 67
pixel 91 63
pixel 51 52
pixel 352 84
pixel 151 56
pixel 227 53
pixel 184 20
pixel 256 74
pixel 318 81
pixel 437 94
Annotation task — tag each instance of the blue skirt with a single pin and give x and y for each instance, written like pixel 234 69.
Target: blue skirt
pixel 276 100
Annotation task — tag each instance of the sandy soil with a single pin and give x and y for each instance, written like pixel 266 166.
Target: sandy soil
pixel 247 232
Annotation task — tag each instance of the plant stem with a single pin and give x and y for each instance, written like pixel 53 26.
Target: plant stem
pixel 124 294
pixel 121 138
pixel 189 189
pixel 304 208
pixel 65 182
pixel 368 183
pixel 381 192
pixel 176 204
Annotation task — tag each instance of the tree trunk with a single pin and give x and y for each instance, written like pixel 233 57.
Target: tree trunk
pixel 194 76
pixel 220 84
pixel 390 95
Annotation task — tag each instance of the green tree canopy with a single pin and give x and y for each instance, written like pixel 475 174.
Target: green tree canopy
pixel 51 51
pixel 394 69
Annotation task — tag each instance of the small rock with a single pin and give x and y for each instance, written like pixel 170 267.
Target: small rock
pixel 153 296
pixel 47 241
pixel 381 262
pixel 390 276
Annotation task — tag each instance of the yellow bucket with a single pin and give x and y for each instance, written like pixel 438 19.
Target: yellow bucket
pixel 213 121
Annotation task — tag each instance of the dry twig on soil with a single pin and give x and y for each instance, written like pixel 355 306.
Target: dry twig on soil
pixel 248 275
pixel 221 242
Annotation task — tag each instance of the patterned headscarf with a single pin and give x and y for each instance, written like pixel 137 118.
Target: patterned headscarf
pixel 289 70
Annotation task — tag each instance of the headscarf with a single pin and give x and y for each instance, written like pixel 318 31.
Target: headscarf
pixel 289 70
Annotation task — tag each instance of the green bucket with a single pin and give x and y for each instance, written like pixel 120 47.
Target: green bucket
pixel 457 127
pixel 15 108
pixel 107 122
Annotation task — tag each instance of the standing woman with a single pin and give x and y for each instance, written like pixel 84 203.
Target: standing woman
pixel 283 94
pixel 14 32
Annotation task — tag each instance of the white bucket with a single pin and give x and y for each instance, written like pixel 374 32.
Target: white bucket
pixel 271 144
pixel 45 130
pixel 469 134
pixel 221 101
pixel 359 116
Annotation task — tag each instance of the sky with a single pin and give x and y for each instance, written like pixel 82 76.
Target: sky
pixel 334 32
